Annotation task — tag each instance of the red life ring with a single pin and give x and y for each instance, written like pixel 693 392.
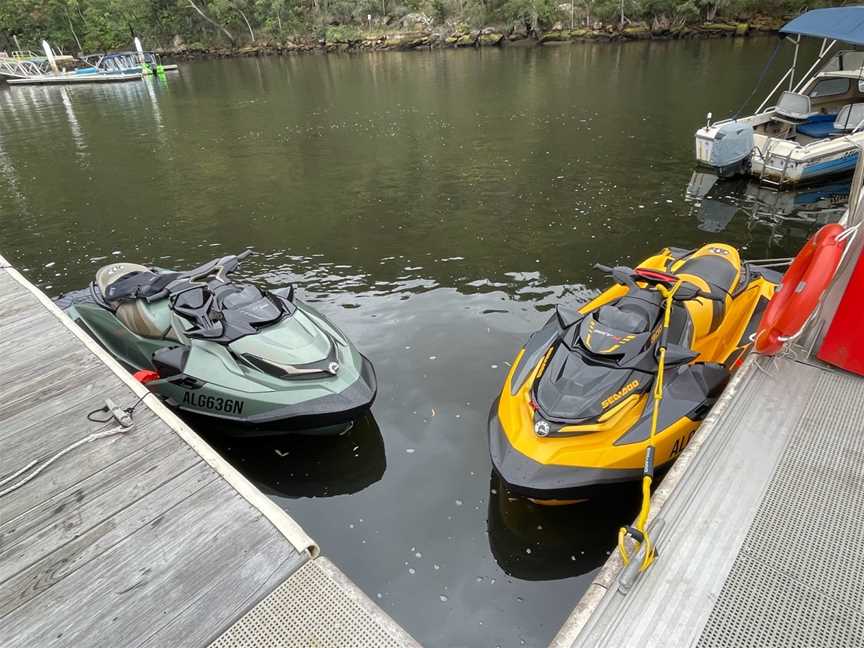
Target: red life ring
pixel 800 290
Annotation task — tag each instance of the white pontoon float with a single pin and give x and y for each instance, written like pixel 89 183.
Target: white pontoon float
pixel 817 124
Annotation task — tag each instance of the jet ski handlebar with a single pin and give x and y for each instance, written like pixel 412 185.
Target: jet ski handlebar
pixel 225 264
pixel 628 277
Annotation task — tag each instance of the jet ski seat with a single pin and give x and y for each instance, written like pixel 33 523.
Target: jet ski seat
pixel 122 285
pixel 715 269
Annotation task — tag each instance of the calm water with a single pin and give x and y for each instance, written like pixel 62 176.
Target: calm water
pixel 436 205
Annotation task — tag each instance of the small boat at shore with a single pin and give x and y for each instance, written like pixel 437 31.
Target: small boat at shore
pixel 129 63
pixel 816 126
pixel 134 61
pixel 54 69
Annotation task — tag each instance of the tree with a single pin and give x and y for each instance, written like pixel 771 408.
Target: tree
pixel 211 21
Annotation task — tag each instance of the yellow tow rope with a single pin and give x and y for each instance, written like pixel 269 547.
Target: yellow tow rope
pixel 637 531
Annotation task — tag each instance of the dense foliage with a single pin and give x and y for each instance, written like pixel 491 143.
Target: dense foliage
pixel 92 25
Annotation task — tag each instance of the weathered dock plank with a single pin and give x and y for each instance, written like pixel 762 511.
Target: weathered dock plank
pixel 144 538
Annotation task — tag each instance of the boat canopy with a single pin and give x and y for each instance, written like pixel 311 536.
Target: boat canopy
pixel 845 24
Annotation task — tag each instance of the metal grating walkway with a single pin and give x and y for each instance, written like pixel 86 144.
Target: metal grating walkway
pixel 798 579
pixel 762 545
pixel 317 606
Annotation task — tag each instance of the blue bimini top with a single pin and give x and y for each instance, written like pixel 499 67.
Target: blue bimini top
pixel 844 24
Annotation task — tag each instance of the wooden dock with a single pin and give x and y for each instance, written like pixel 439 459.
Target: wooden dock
pixel 146 537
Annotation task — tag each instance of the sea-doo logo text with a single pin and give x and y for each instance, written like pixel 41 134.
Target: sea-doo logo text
pixel 621 393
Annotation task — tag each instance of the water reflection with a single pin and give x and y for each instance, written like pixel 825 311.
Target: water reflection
pixel 782 216
pixel 74 126
pixel 534 542
pixel 307 465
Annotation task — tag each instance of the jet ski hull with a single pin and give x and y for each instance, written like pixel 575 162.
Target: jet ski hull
pixel 245 384
pixel 558 483
pixel 329 415
pixel 582 431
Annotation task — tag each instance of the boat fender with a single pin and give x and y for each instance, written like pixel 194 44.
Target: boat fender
pixel 800 290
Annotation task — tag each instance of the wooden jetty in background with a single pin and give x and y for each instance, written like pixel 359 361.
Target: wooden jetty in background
pixel 146 537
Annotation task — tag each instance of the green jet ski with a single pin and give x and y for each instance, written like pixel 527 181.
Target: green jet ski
pixel 208 346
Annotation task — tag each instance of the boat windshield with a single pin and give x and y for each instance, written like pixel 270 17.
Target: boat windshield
pixel 846 61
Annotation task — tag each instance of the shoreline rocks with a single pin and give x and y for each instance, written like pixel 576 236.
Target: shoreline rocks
pixel 422 36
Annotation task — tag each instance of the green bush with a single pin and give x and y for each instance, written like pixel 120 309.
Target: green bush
pixel 342 34
pixel 109 24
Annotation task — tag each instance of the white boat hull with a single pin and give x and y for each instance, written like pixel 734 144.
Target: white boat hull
pixel 781 161
pixel 64 79
pixel 805 163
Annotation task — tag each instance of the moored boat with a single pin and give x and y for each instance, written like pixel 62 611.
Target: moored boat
pixel 54 69
pixel 816 126
pixel 576 410
pixel 139 61
pixel 263 361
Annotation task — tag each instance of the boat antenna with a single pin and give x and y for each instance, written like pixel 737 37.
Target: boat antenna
pixel 761 78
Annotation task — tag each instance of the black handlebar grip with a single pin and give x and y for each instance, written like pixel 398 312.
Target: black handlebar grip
pixel 157 296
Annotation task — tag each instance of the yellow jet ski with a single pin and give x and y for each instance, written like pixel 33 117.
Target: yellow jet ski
pixel 575 409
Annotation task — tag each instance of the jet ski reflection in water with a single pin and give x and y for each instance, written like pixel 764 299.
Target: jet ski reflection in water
pixel 793 212
pixel 575 409
pixel 229 351
pixel 307 466
pixel 537 543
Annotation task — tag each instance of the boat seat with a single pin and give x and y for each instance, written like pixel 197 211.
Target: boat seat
pixel 849 118
pixel 818 126
pixel 137 318
pixel 793 107
pixel 111 274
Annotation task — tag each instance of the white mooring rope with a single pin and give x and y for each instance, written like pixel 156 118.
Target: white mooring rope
pixel 117 429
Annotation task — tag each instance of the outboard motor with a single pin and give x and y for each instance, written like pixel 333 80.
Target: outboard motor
pixel 726 147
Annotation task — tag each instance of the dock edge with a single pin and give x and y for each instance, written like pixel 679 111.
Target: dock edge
pixel 283 522
pixel 605 579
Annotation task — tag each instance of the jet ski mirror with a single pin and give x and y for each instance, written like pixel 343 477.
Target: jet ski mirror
pixel 621 274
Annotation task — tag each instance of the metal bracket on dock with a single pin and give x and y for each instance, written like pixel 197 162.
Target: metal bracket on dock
pixel 122 416
pixel 630 574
